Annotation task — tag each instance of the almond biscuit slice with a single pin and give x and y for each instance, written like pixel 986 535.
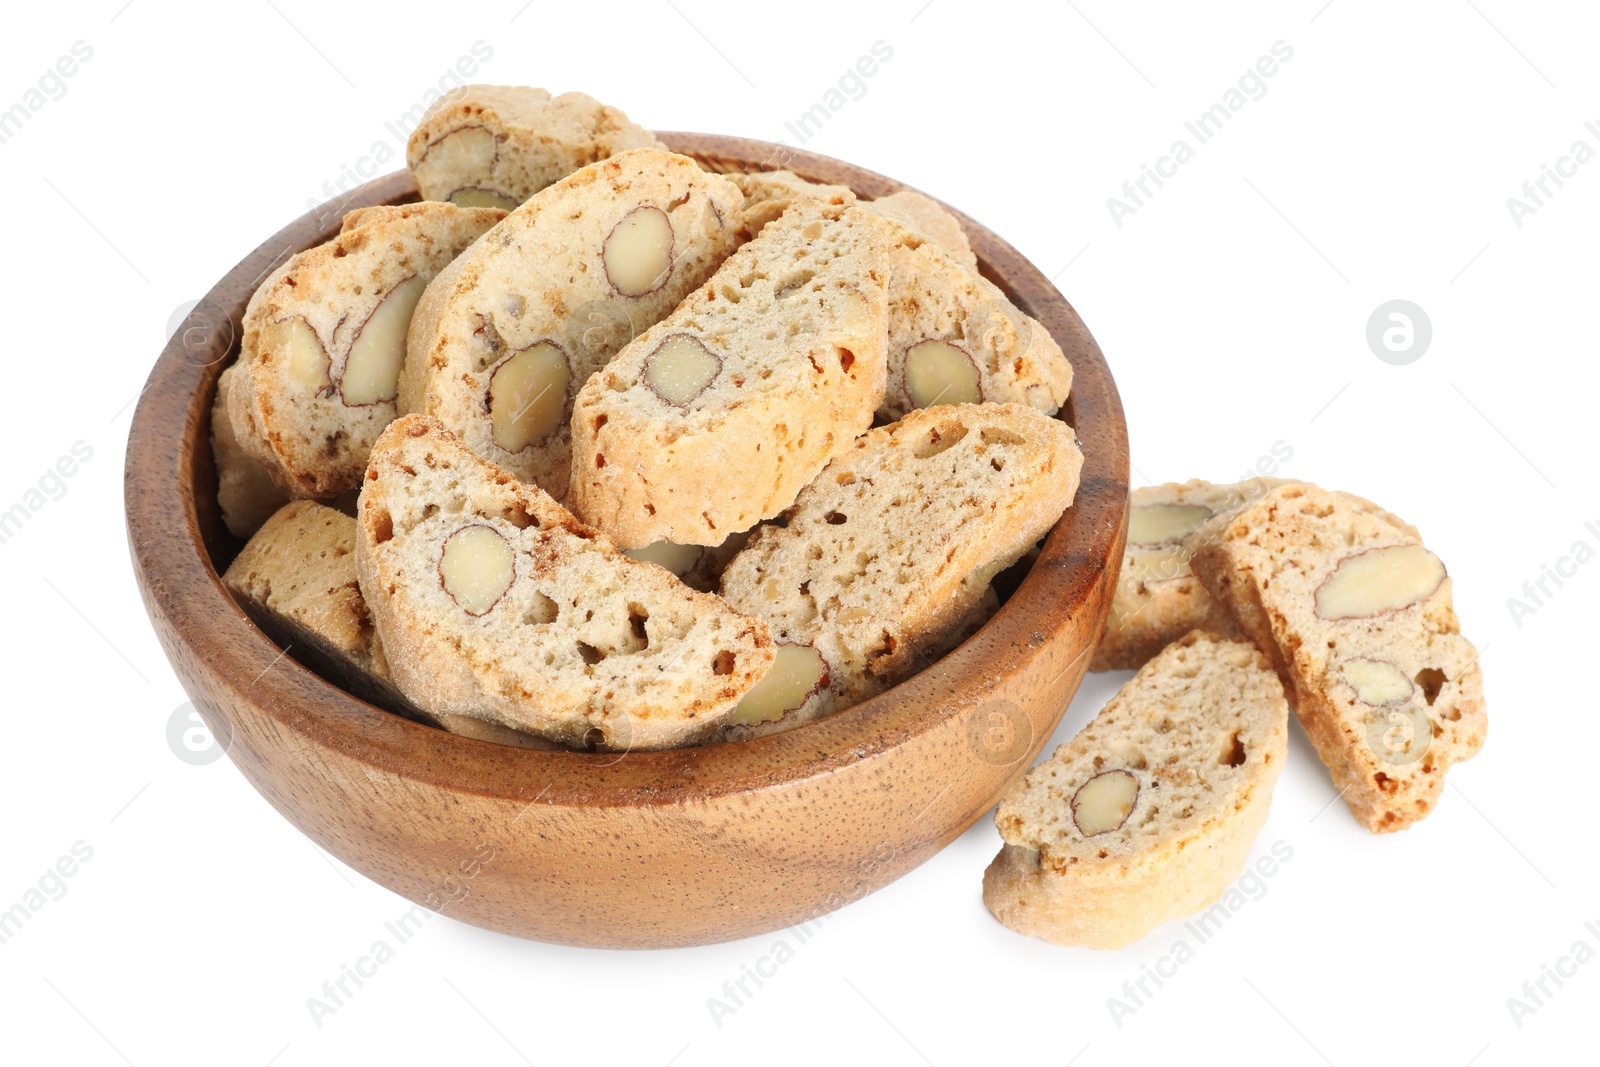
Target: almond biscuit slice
pixel 713 419
pixel 955 338
pixel 891 549
pixel 1356 614
pixel 1149 812
pixel 493 601
pixel 1158 597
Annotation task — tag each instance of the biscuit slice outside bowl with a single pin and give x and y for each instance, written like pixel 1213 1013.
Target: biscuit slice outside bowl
pixel 1357 616
pixel 1149 813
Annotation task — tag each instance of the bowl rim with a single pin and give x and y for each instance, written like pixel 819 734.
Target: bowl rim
pixel 175 534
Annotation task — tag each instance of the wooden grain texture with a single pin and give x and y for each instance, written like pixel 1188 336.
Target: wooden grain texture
pixel 640 849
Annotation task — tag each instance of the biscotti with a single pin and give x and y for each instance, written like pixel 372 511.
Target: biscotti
pixel 504 339
pixel 246 494
pixel 297 579
pixel 1356 614
pixel 1149 812
pixel 497 145
pixel 324 339
pixel 955 338
pixel 493 601
pixel 713 419
pixel 893 546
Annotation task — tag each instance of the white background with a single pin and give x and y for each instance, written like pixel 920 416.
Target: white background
pixel 1233 309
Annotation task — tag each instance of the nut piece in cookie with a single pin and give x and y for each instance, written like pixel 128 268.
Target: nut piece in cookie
pixel 884 561
pixel 713 419
pixel 493 601
pixel 497 145
pixel 1148 813
pixel 1356 613
pixel 324 341
pixel 506 337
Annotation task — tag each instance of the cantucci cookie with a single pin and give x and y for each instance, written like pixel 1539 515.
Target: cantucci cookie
pixel 1159 598
pixel 954 337
pixel 497 145
pixel 297 579
pixel 246 494
pixel 1149 812
pixel 714 418
pixel 1357 616
pixel 506 337
pixel 892 547
pixel 493 601
pixel 324 339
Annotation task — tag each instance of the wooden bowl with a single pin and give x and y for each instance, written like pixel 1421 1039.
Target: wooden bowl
pixel 640 849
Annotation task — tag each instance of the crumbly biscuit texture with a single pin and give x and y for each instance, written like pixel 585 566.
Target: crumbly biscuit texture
pixel 506 337
pixel 891 549
pixel 492 600
pixel 1149 813
pixel 497 145
pixel 1356 614
pixel 716 417
pixel 324 340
